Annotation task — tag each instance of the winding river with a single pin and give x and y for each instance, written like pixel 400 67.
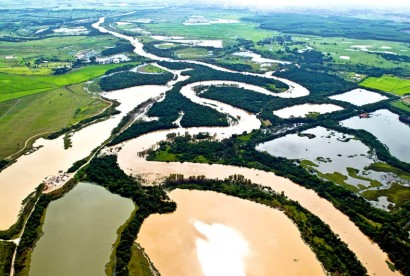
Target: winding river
pixel 369 253
pixel 18 180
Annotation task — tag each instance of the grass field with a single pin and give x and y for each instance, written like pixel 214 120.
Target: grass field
pixel 338 47
pixel 403 104
pixel 48 111
pixel 138 264
pixel 17 86
pixel 389 84
pixel 192 53
pixel 61 49
pixel 149 68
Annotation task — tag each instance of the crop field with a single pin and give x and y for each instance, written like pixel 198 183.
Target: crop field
pixel 48 111
pixel 389 84
pixel 16 86
pixel 403 104
pixel 20 58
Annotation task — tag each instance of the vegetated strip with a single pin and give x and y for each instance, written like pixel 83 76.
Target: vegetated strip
pixel 6 256
pixel 33 230
pixel 29 202
pixel 240 151
pixel 333 253
pixel 129 79
pixel 105 171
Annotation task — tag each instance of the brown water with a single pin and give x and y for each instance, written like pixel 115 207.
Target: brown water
pixel 369 253
pixel 21 178
pixel 214 234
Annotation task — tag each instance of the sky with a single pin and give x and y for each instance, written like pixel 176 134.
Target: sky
pixel 318 3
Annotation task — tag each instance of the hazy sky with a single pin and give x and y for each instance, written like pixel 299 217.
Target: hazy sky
pixel 320 3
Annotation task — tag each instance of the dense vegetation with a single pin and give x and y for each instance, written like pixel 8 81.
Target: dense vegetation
pixel 33 228
pixel 105 172
pixel 204 73
pixel 140 128
pixel 6 256
pixel 245 99
pixel 334 254
pixel 129 79
pixel 332 26
pixel 375 223
pixel 316 81
pixel 194 114
pixel 119 48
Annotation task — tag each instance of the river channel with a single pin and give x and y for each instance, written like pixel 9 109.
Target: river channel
pixel 21 178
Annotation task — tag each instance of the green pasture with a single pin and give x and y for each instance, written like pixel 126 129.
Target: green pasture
pixel 16 86
pixel 192 53
pixel 49 111
pixel 337 47
pixel 54 49
pixel 149 68
pixel 403 104
pixel 390 84
pixel 226 32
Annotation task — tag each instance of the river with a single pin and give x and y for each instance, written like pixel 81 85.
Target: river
pixel 215 234
pixel 21 178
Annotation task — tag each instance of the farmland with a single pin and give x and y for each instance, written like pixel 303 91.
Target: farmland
pixel 391 84
pixel 16 86
pixel 49 111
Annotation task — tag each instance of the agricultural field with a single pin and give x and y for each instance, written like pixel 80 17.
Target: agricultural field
pixel 45 112
pixel 16 86
pixel 403 104
pixel 390 84
pixel 39 57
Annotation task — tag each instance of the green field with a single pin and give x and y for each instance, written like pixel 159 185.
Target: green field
pixel 48 111
pixel 389 84
pixel 403 104
pixel 17 86
pixel 152 69
pixel 191 53
pixel 60 49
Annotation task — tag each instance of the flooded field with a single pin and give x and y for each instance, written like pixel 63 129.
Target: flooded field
pixel 79 230
pixel 359 97
pixel 329 152
pixel 306 110
pixel 206 236
pixel 386 126
pixel 258 58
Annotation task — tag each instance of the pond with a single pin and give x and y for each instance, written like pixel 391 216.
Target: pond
pixel 304 110
pixel 79 230
pixel 258 58
pixel 385 125
pixel 359 97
